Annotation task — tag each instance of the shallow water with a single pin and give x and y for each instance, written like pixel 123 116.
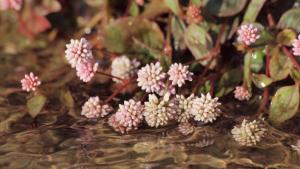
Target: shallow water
pixel 95 145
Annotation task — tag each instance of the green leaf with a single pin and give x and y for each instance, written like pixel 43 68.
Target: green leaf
pixel 261 80
pixel 257 60
pixel 295 74
pixel 286 37
pixel 290 19
pixel 199 43
pixel 224 8
pixel 173 5
pixel 177 28
pixel 280 65
pixel 119 34
pixel 253 10
pixel 228 81
pixel 154 8
pixel 36 104
pixel 284 104
pixel 134 9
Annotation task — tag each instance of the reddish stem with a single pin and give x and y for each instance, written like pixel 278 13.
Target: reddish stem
pixel 264 101
pixel 292 58
pixel 126 83
pixel 111 76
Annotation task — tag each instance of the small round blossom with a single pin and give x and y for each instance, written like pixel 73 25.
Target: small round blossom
pixel 78 52
pixel 193 14
pixel 248 34
pixel 296 46
pixel 30 82
pixel 185 108
pixel 205 108
pixel 158 112
pixel 140 2
pixel 123 67
pixel 178 74
pixel 296 147
pixel 130 114
pixel 11 4
pixel 186 128
pixel 150 77
pixel 93 108
pixel 241 93
pixel 86 71
pixel 248 133
pixel 116 125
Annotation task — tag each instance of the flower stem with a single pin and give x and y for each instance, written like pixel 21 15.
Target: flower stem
pixel 292 58
pixel 126 83
pixel 111 76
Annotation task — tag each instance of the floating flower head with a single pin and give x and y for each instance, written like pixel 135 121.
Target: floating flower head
pixel 193 14
pixel 248 34
pixel 130 115
pixel 248 133
pixel 116 125
pixel 184 108
pixel 30 82
pixel 93 108
pixel 158 112
pixel 186 128
pixel 86 71
pixel 241 93
pixel 11 4
pixel 296 147
pixel 178 74
pixel 78 52
pixel 151 77
pixel 124 68
pixel 296 46
pixel 205 108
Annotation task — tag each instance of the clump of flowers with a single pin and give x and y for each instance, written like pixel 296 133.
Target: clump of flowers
pixel 78 52
pixel 205 108
pixel 130 115
pixel 178 74
pixel 241 93
pixel 185 107
pixel 93 108
pixel 248 34
pixel 296 46
pixel 296 147
pixel 249 133
pixel 116 125
pixel 151 78
pixel 186 128
pixel 11 4
pixel 140 2
pixel 158 112
pixel 124 68
pixel 86 71
pixel 30 82
pixel 193 14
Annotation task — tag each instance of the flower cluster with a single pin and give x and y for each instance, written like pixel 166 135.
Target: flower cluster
pixel 296 46
pixel 241 93
pixel 124 68
pixel 205 108
pixel 30 82
pixel 152 79
pixel 193 14
pixel 79 55
pixel 11 4
pixel 248 34
pixel 94 109
pixel 128 117
pixel 185 108
pixel 249 133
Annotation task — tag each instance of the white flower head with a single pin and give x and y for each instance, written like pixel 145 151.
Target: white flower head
pixel 178 74
pixel 124 68
pixel 184 107
pixel 93 108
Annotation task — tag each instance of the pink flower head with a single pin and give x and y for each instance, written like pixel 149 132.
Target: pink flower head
pixel 248 34
pixel 193 14
pixel 296 46
pixel 241 93
pixel 116 125
pixel 140 2
pixel 30 82
pixel 130 114
pixel 78 52
pixel 179 74
pixel 150 77
pixel 87 70
pixel 93 108
pixel 11 4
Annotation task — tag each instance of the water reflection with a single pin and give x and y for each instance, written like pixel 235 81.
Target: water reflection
pixel 97 146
